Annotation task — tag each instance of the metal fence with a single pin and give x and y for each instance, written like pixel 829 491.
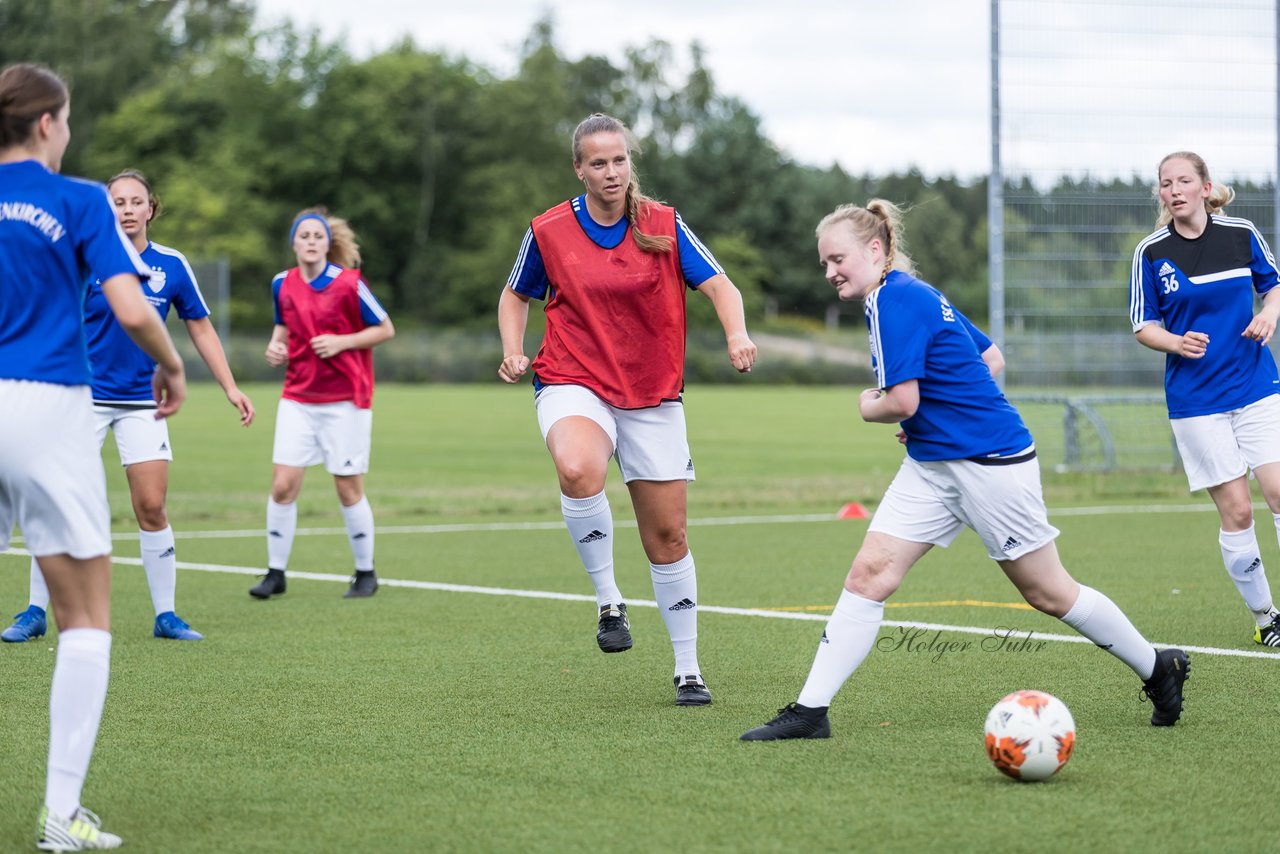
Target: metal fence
pixel 1087 97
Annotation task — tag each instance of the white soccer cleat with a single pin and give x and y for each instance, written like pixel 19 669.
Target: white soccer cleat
pixel 82 833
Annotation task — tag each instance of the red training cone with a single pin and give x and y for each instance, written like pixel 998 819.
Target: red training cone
pixel 852 510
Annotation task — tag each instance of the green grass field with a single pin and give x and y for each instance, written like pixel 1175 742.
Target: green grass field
pixel 470 718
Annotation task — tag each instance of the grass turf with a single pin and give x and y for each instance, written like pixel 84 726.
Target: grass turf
pixel 431 720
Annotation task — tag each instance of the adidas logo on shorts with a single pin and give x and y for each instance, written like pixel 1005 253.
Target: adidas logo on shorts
pixel 593 536
pixel 1010 544
pixel 683 605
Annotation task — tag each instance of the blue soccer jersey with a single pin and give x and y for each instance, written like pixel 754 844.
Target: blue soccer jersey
pixel 122 372
pixel 917 335
pixel 529 275
pixel 55 232
pixel 1206 284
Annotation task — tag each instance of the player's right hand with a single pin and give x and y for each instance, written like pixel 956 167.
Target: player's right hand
pixel 1194 345
pixel 277 354
pixel 513 367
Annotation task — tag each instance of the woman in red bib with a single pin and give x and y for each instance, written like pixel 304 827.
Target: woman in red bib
pixel 327 322
pixel 608 380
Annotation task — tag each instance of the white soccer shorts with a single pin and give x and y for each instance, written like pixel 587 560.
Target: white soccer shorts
pixel 931 502
pixel 336 434
pixel 140 436
pixel 51 479
pixel 1219 448
pixel 649 444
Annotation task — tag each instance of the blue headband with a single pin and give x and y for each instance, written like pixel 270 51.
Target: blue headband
pixel 303 218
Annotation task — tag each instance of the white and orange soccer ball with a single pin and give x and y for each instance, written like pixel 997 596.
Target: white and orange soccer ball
pixel 1030 735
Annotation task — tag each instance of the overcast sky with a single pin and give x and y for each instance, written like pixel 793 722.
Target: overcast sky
pixel 879 85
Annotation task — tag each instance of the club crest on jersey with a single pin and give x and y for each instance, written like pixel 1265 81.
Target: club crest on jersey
pixel 157 280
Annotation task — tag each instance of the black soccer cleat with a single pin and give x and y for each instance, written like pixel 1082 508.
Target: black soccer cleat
pixel 1164 688
pixel 692 691
pixel 1268 635
pixel 363 585
pixel 614 630
pixel 793 721
pixel 272 584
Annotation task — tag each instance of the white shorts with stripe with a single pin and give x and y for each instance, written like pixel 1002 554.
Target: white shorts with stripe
pixel 649 444
pixel 51 479
pixel 930 502
pixel 337 434
pixel 1219 448
pixel 140 436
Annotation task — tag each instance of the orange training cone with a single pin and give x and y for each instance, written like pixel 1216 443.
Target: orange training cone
pixel 852 510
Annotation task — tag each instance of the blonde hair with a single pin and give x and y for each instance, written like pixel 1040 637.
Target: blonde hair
pixel 344 250
pixel 636 201
pixel 881 220
pixel 1219 196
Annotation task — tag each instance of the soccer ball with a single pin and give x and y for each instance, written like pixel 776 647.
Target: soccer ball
pixel 1030 735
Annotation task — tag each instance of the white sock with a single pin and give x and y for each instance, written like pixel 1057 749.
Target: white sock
pixel 359 519
pixel 675 587
pixel 845 643
pixel 39 590
pixel 282 522
pixel 1100 620
pixel 590 524
pixel 161 565
pixel 79 690
pixel 1243 560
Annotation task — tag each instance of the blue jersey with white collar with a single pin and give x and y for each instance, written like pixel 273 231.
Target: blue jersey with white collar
pixel 917 335
pixel 1207 284
pixel 55 232
pixel 529 275
pixel 122 372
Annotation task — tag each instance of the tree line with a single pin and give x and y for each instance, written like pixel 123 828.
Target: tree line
pixel 438 162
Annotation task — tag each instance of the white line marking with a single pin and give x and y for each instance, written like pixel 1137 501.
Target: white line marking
pixel 714 521
pixel 648 603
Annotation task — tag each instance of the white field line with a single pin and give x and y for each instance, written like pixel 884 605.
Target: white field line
pixel 1013 640
pixel 714 521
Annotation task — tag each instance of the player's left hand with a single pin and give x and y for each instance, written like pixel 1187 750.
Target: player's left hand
pixel 328 346
pixel 241 401
pixel 742 352
pixel 902 437
pixel 1260 329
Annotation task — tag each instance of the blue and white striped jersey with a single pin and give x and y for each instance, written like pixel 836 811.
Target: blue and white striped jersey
pixel 55 232
pixel 121 371
pixel 1207 284
pixel 529 275
pixel 917 335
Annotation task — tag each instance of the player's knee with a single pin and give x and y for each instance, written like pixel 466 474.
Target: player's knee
pixel 578 478
pixel 151 515
pixel 869 577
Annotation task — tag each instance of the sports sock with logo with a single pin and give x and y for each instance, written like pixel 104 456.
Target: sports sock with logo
pixel 590 524
pixel 39 590
pixel 282 522
pixel 359 519
pixel 845 643
pixel 160 562
pixel 79 689
pixel 675 587
pixel 1099 619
